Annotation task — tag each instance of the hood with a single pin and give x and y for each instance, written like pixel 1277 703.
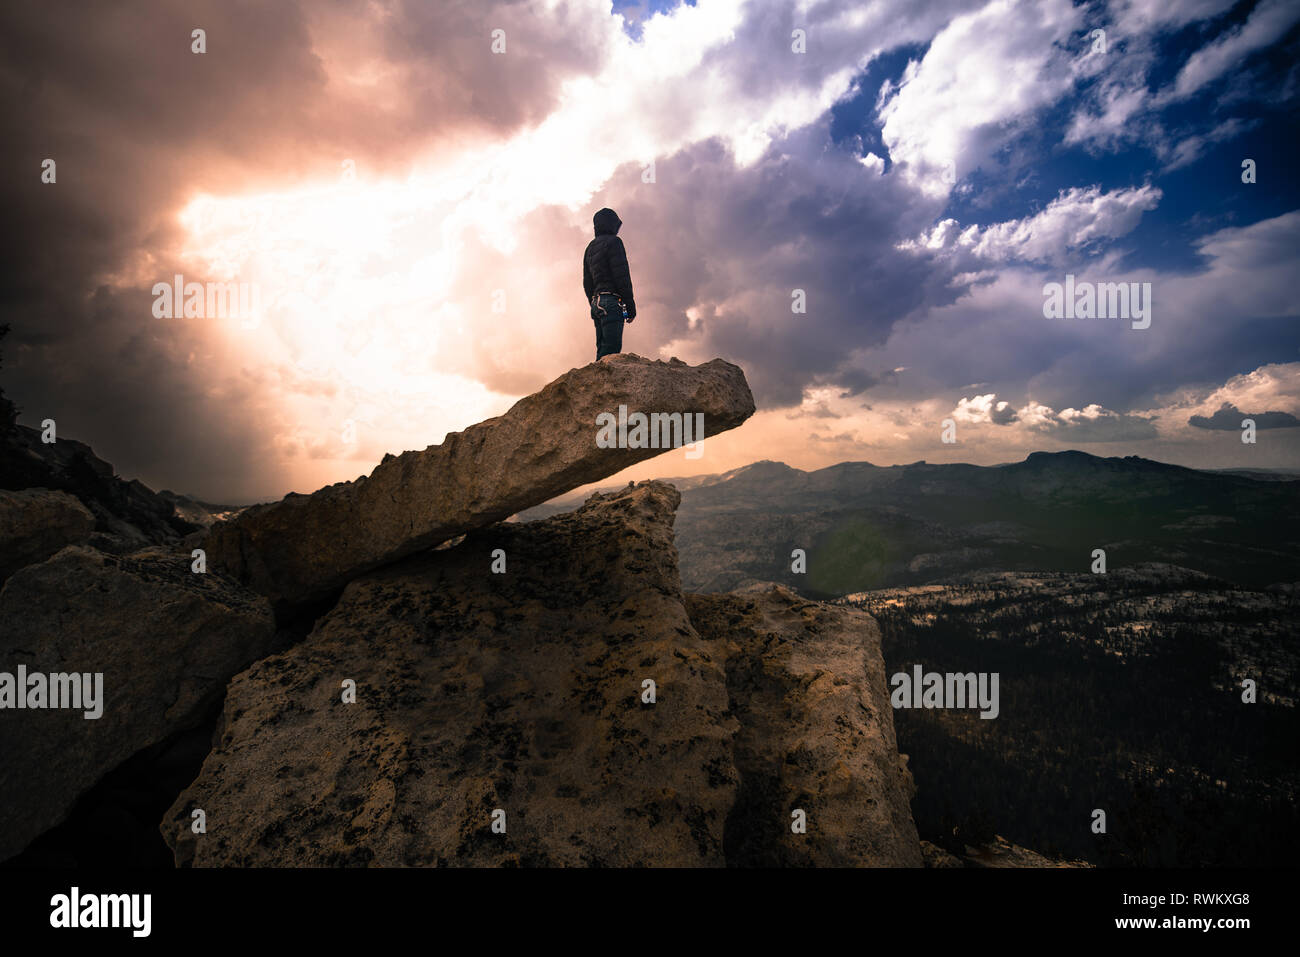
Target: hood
pixel 606 221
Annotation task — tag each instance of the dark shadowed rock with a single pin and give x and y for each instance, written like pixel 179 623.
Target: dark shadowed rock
pixel 303 548
pixel 35 523
pixel 477 691
pixel 128 514
pixel 166 641
pixel 998 853
pixel 808 686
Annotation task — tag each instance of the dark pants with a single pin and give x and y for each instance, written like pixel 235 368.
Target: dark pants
pixel 607 315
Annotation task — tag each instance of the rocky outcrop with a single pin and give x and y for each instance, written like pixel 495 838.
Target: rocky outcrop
pixel 35 523
pixel 524 690
pixel 198 513
pixel 128 514
pixel 807 684
pixel 165 640
pixel 480 693
pixel 476 691
pixel 305 548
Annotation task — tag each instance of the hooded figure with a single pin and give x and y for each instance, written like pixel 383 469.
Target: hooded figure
pixel 608 283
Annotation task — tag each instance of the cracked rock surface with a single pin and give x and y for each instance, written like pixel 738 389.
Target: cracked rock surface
pixel 523 695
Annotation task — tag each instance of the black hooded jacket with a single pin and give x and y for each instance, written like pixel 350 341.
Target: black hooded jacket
pixel 604 264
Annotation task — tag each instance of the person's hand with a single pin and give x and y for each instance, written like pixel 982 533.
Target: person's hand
pixel 629 319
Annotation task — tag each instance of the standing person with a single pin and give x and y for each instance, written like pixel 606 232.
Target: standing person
pixel 608 283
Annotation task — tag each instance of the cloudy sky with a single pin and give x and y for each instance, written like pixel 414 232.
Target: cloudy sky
pixel 409 187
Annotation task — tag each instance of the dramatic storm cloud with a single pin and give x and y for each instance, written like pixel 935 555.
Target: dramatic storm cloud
pixel 859 204
pixel 1229 418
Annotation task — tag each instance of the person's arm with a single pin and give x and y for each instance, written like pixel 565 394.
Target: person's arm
pixel 587 285
pixel 618 268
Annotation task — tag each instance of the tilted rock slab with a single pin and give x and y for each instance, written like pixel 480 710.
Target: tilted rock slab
pixel 167 641
pixel 478 691
pixel 523 692
pixel 37 522
pixel 807 683
pixel 303 548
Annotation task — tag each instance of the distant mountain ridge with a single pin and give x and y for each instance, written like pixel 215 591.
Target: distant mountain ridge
pixel 864 526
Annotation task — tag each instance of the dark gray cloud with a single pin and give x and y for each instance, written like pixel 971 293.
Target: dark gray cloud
pixel 736 244
pixel 1228 418
pixel 1119 427
pixel 1002 416
pixel 137 124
